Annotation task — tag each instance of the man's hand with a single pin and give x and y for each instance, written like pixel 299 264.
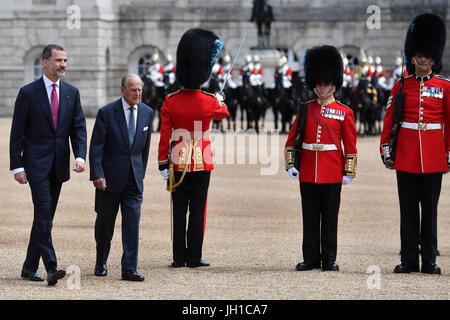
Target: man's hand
pixel 347 180
pixel 293 173
pixel 78 166
pixel 389 164
pixel 100 183
pixel 164 174
pixel 21 177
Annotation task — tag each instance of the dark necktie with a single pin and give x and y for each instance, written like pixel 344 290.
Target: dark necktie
pixel 131 126
pixel 54 104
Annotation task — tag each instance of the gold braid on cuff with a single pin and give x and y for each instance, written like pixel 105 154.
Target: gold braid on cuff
pixel 350 165
pixel 289 157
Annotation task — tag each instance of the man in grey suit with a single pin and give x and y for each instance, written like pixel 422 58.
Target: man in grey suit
pixel 118 157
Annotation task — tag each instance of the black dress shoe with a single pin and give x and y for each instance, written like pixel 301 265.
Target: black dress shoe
pixel 132 276
pixel 330 266
pixel 53 275
pixel 100 270
pixel 200 263
pixel 406 268
pixel 177 264
pixel 430 268
pixel 305 266
pixel 32 276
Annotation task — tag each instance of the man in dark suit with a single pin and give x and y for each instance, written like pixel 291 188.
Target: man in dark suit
pixel 118 157
pixel 46 114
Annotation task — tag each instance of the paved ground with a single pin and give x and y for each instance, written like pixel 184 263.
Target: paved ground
pixel 253 238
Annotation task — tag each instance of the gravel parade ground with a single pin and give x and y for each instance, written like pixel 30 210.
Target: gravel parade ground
pixel 253 236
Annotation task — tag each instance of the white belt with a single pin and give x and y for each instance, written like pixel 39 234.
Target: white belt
pixel 319 147
pixel 421 126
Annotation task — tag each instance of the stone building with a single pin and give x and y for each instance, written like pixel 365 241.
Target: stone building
pixel 105 39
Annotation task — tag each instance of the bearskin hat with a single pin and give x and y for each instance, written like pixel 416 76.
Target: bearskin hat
pixel 196 53
pixel 426 34
pixel 323 64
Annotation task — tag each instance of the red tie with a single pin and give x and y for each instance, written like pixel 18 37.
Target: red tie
pixel 54 106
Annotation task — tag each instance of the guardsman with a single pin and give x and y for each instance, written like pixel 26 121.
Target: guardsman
pixel 184 154
pixel 156 71
pixel 324 164
pixel 284 69
pixel 257 73
pixel 226 66
pixel 380 73
pixel 396 73
pixel 247 68
pixel 422 144
pixel 348 74
pixel 169 70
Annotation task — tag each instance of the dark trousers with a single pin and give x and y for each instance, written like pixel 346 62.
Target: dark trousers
pixel 45 195
pixel 107 205
pixel 320 208
pixel 192 194
pixel 415 192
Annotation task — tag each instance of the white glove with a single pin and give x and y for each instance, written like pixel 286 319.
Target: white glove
pixel 293 173
pixel 347 180
pixel 220 96
pixel 165 174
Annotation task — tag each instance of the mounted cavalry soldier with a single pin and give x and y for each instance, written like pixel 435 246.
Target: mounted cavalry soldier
pixel 184 154
pixel 156 71
pixel 285 71
pixel 416 140
pixel 314 155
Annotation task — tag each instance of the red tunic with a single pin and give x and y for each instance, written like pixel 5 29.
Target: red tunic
pixel 326 166
pixel 427 100
pixel 186 115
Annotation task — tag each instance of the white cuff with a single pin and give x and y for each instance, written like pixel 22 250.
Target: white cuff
pixel 80 160
pixel 17 170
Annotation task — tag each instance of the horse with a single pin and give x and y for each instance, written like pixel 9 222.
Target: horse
pixel 153 96
pixel 213 87
pixel 365 101
pixel 262 12
pixel 232 103
pixel 282 103
pixel 252 101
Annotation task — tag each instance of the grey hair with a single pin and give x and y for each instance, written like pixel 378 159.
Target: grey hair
pixel 47 52
pixel 124 81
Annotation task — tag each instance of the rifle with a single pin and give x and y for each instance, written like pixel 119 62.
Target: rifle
pixel 301 122
pixel 397 118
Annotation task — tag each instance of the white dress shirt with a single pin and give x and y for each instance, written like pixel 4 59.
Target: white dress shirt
pixel 126 110
pixel 49 87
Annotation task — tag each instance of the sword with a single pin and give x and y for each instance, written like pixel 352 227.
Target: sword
pixel 232 64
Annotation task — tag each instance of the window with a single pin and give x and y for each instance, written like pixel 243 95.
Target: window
pixel 37 69
pixel 143 62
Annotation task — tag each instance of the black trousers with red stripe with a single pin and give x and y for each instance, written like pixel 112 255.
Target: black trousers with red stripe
pixel 192 194
pixel 415 192
pixel 320 209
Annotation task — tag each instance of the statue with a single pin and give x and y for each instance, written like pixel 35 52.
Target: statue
pixel 263 14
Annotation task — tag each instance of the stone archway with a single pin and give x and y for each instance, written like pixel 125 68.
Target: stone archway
pixel 142 56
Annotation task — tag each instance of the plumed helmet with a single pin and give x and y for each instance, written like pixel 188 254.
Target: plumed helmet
pixel 323 64
pixel 426 34
pixel 196 54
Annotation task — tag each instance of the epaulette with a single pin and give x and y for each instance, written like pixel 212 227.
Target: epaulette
pixel 173 93
pixel 209 94
pixel 342 104
pixel 442 77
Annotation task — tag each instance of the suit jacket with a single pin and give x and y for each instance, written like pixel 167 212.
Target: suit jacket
pixel 34 143
pixel 110 153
